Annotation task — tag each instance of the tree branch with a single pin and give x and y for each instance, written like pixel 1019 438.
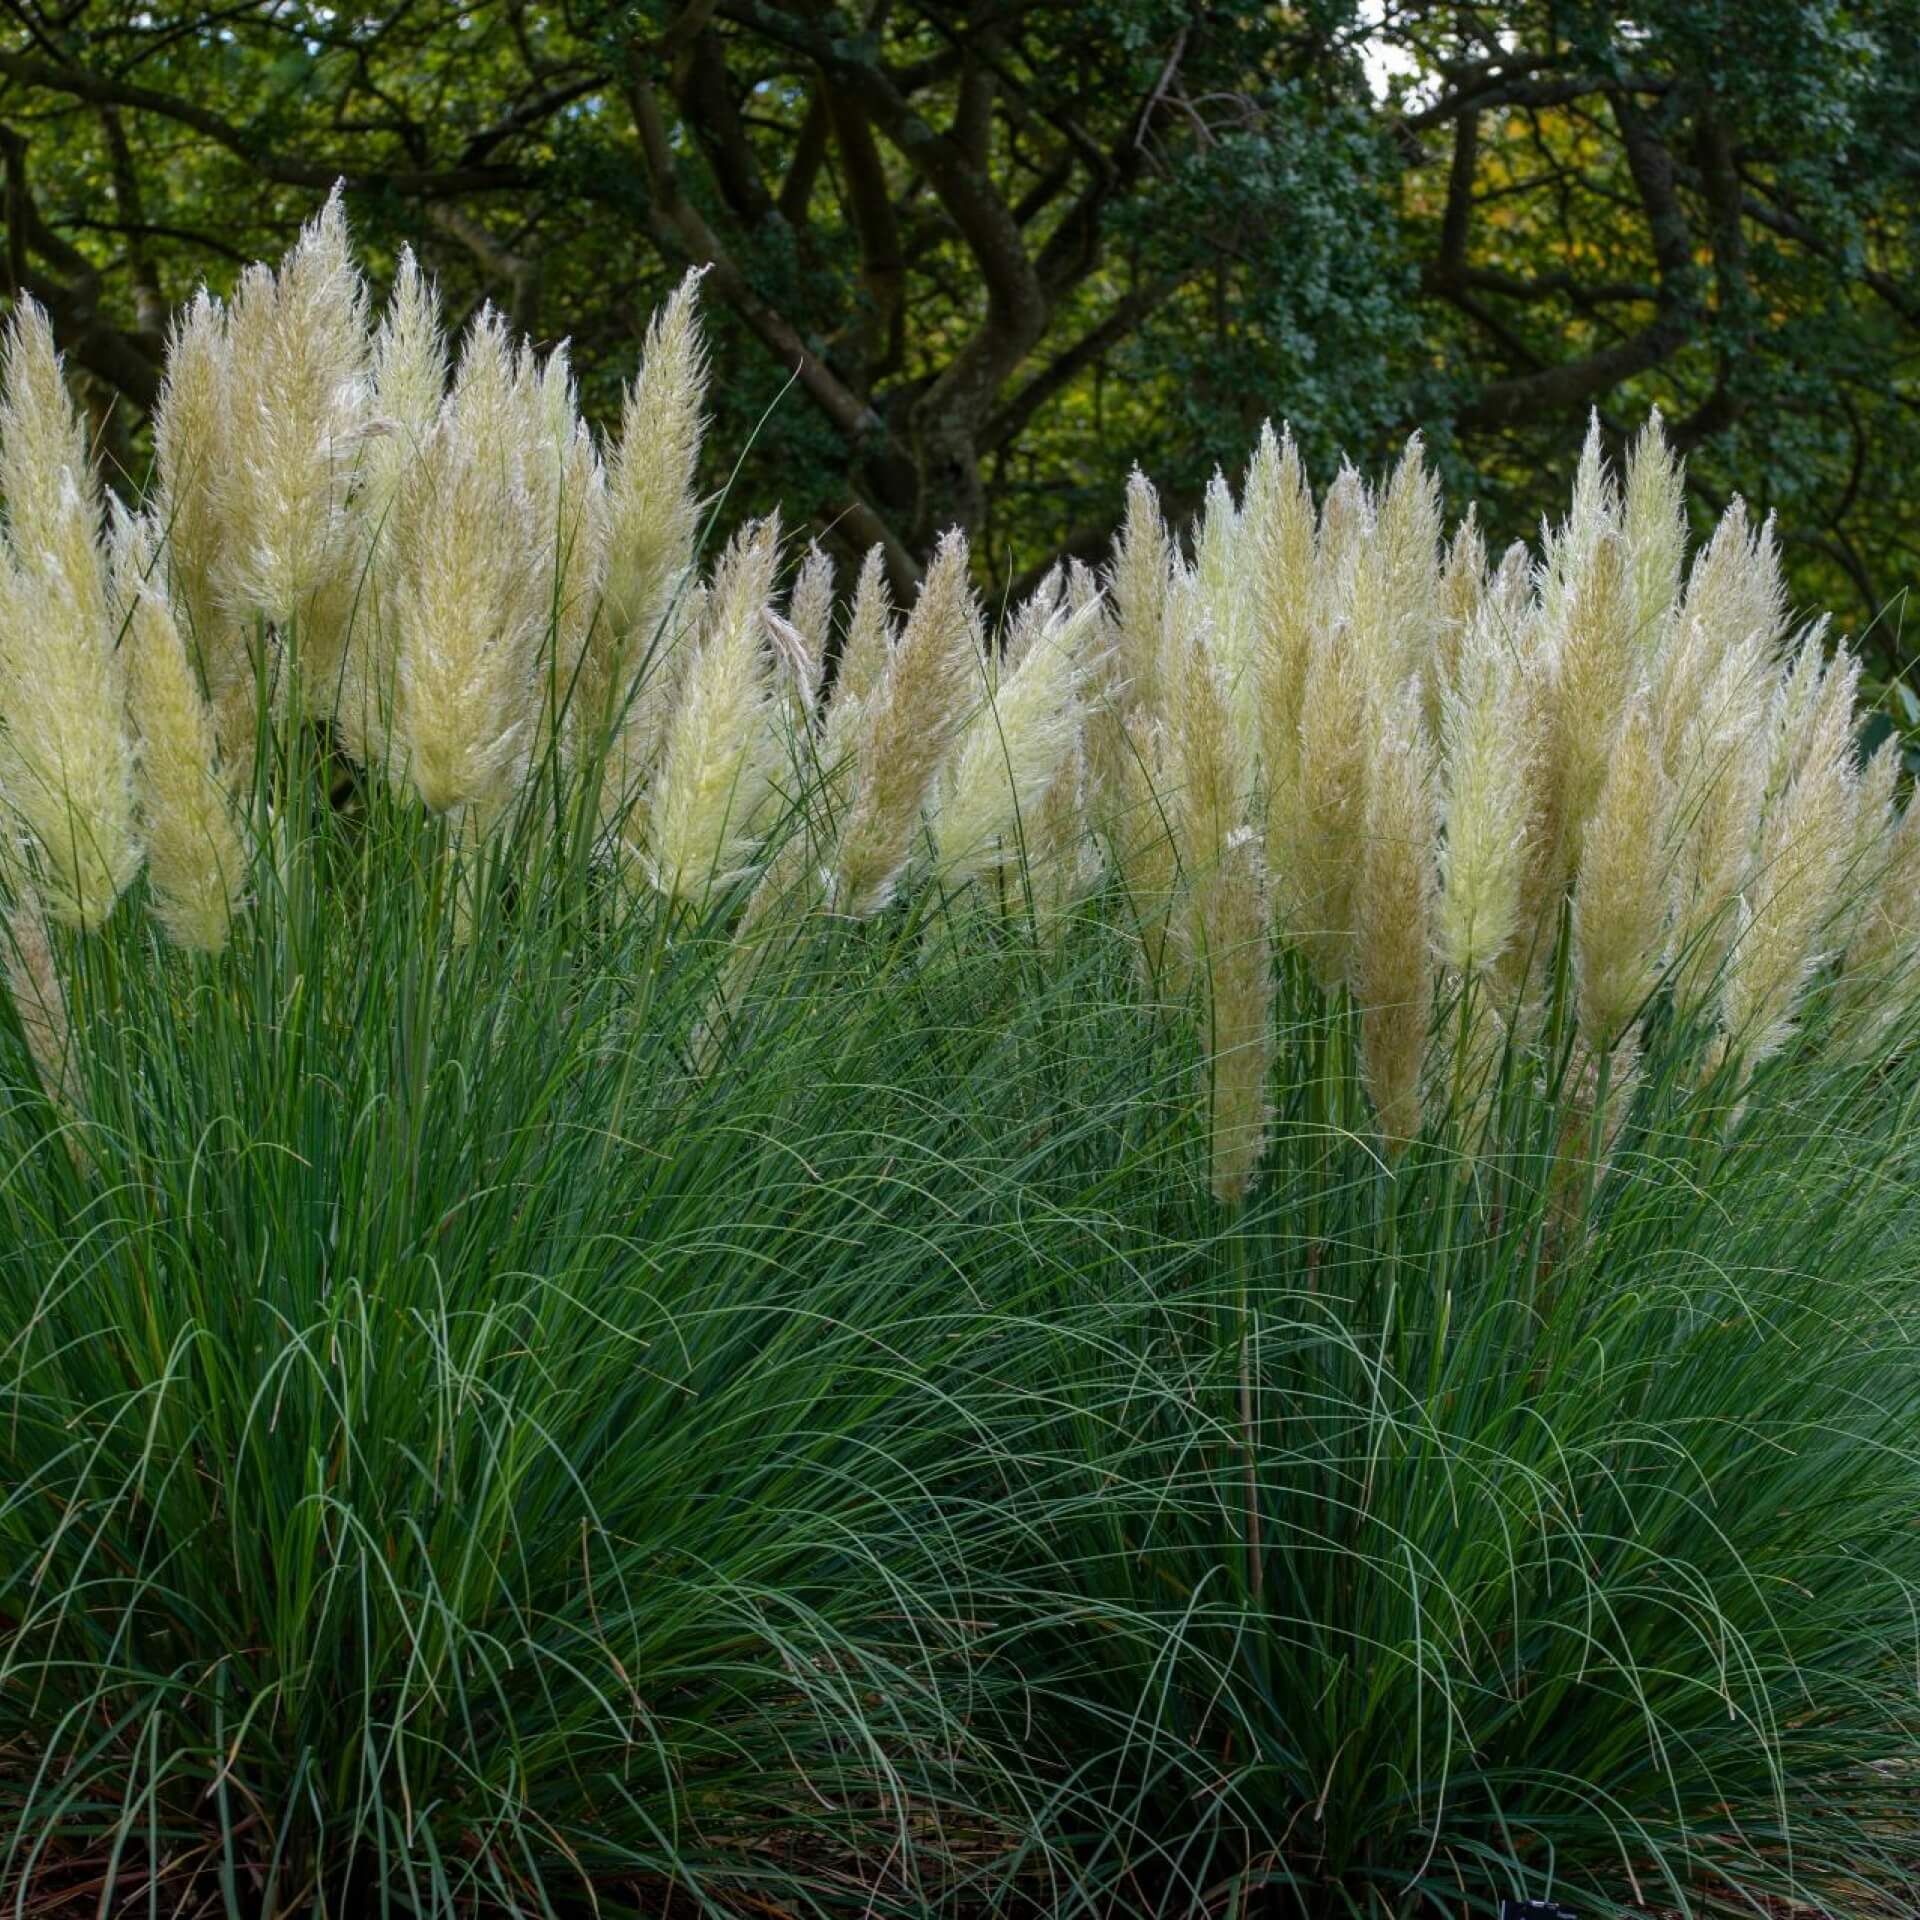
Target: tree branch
pixel 809 152
pixel 1015 301
pixel 99 90
pixel 150 306
pixel 1067 366
pixel 1778 219
pixel 74 309
pixel 883 272
pixel 678 222
pixel 529 113
pixel 866 528
pixel 1458 221
pixel 1502 92
pixel 704 89
pixel 517 272
pixel 1677 299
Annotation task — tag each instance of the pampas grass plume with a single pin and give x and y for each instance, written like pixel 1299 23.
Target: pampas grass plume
pixel 1405 552
pixel 863 657
pixel 191 429
pixel 1029 621
pixel 1880 975
pixel 1209 771
pixel 1013 750
pixel 1321 829
pixel 1654 525
pixel 468 613
pixel 717 757
pixel 1393 911
pixel 810 614
pixel 196 863
pixel 1229 920
pixel 1594 662
pixel 1280 540
pixel 1463 582
pixel 40 1001
pixel 1718 772
pixel 654 510
pixel 297 410
pixel 1620 897
pixel 908 724
pixel 1344 533
pixel 1142 564
pixel 1804 848
pixel 1490 766
pixel 66 768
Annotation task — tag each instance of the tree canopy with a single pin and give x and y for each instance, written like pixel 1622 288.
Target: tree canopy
pixel 968 262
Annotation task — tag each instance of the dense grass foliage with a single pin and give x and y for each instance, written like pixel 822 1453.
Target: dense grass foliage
pixel 456 1448
pixel 462 1452
pixel 1578 1565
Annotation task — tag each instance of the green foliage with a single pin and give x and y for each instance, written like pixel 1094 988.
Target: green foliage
pixel 455 1449
pixel 1227 214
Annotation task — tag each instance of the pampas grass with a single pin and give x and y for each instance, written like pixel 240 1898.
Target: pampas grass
pixel 1249 1234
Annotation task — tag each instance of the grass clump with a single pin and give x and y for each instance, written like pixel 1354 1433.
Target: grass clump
pixel 667 1248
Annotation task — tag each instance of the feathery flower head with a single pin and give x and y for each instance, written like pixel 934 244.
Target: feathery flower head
pixel 1030 620
pixel 863 658
pixel 1727 628
pixel 196 863
pixel 1620 897
pixel 1211 777
pixel 66 770
pixel 1222 578
pixel 1393 913
pixel 1593 517
pixel 1595 666
pixel 907 726
pixel 1509 608
pixel 1788 916
pixel 46 476
pixel 471 610
pixel 191 430
pixel 1228 919
pixel 1406 548
pixel 409 368
pixel 409 363
pixel 40 1000
pixel 408 373
pixel 1011 752
pixel 1490 759
pixel 1718 769
pixel 297 418
pixel 716 763
pixel 1880 976
pixel 654 512
pixel 810 614
pixel 1316 837
pixel 1654 523
pixel 1142 565
pixel 794 667
pixel 1345 532
pixel 1279 523
pixel 1463 580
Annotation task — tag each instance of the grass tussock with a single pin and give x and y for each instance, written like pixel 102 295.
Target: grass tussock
pixel 667 1245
